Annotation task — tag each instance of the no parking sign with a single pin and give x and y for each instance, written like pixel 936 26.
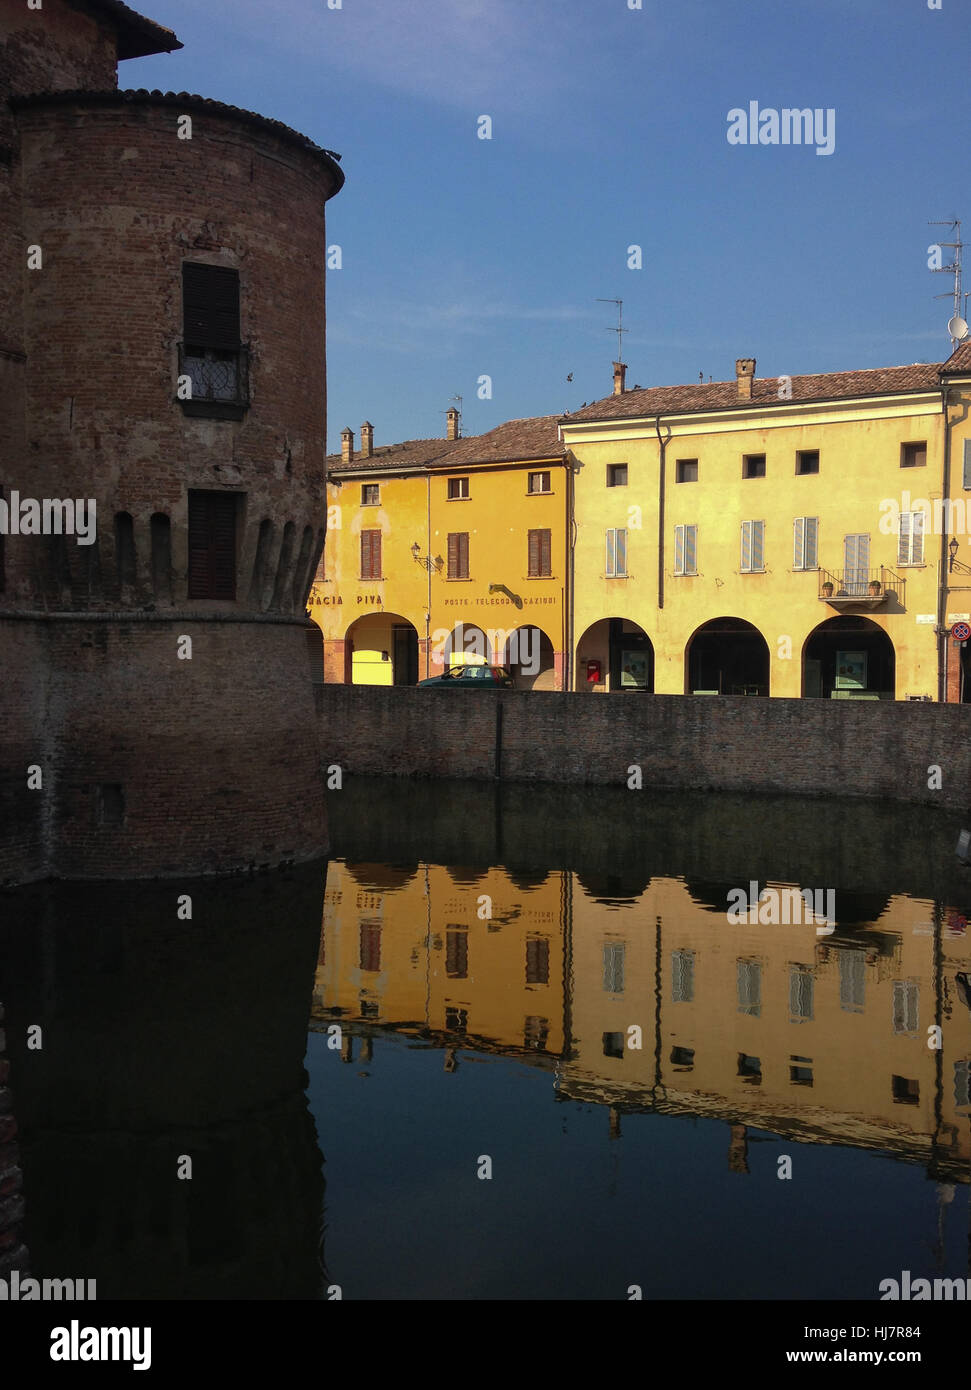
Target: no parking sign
pixel 961 632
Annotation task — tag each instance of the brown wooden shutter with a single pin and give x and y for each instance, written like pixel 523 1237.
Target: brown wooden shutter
pixel 370 554
pixel 212 545
pixel 210 306
pixel 458 555
pixel 540 563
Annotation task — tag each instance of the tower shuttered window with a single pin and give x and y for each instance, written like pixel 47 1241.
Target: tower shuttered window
pixel 212 544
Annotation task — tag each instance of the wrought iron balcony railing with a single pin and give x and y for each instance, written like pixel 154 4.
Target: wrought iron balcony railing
pixel 218 378
pixel 860 587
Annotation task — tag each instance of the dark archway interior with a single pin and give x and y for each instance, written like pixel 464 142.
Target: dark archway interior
pixel 848 658
pixel 728 656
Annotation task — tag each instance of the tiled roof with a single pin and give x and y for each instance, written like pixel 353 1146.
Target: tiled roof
pixel 722 395
pixel 535 438
pixel 184 101
pixel 412 453
pixel 960 359
pixel 137 36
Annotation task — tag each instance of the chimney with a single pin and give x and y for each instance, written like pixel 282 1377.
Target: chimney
pixel 347 445
pixel 620 378
pixel 452 423
pixel 744 376
pixel 367 440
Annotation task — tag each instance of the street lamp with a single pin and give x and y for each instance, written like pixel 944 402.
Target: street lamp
pixel 953 550
pixel 426 560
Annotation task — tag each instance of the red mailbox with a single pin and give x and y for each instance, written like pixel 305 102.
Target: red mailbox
pixel 593 672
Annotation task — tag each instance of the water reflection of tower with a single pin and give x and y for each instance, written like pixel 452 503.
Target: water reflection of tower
pixel 13 1252
pixel 165 1039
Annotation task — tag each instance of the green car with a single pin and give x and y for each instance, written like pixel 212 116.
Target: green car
pixel 483 677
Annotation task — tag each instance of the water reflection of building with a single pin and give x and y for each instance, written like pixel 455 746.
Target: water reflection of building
pixel 472 958
pixel 821 1037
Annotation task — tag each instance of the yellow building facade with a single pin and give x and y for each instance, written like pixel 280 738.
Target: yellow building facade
pixel 784 536
pixel 824 1034
pixel 444 552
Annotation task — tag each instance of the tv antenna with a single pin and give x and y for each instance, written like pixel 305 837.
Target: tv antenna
pixel 620 330
pixel 957 326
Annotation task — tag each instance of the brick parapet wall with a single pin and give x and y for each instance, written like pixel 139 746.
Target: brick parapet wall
pixel 810 747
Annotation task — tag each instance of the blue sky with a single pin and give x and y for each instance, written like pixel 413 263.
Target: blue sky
pixel 464 257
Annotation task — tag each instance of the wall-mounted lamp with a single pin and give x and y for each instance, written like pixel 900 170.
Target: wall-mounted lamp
pixel 426 560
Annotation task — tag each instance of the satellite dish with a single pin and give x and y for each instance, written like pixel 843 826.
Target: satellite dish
pixel 957 327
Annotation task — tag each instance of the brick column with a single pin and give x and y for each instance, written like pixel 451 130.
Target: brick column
pixel 335 657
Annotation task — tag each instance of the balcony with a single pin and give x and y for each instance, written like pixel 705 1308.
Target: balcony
pixel 220 381
pixel 860 588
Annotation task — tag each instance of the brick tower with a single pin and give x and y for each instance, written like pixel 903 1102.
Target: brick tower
pixel 162 355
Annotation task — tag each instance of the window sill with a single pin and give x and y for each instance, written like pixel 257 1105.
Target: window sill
pixel 214 410
pixel 458 579
pixel 458 499
pixel 371 578
pixel 550 493
pixel 529 577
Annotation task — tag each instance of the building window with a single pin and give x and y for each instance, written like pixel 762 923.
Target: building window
pixel 904 1091
pixel 370 554
pixel 805 530
pixel 457 953
pixel 910 539
pixel 456 1020
pixel 370 942
pixel 535 1033
pixel 616 558
pixel 540 555
pixel 616 474
pixel 537 961
pixel 801 1071
pixel 749 987
pixel 852 981
pixel 212 544
pixel 856 563
pixel 686 550
pixel 800 994
pixel 682 976
pixel 753 465
pixel 967 464
pixel 614 952
pixel 807 461
pixel 962 1084
pixel 686 471
pixel 750 1068
pixel 614 1045
pixel 370 494
pixel 211 354
pixel 683 1057
pixel 458 555
pixel 457 487
pixel 913 455
pixel 906 1006
pixel 753 547
pixel 538 482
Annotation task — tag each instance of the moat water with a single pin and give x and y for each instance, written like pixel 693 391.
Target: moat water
pixel 505 1044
